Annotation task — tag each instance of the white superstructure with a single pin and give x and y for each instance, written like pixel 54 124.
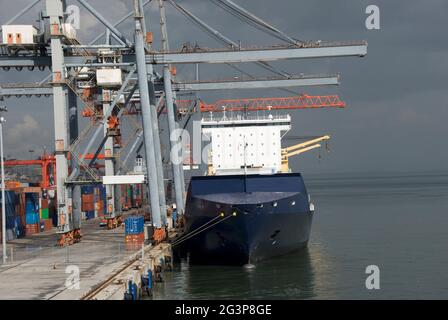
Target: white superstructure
pixel 250 144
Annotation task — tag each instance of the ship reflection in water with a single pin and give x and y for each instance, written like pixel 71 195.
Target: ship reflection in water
pixel 288 277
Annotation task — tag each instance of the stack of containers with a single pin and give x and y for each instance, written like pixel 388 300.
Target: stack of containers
pixel 138 195
pixel 20 213
pixel 132 195
pixel 88 202
pixel 134 232
pixel 104 199
pixel 100 192
pixel 32 217
pixel 96 199
pixel 11 223
pixel 125 199
pixel 129 196
pixel 46 222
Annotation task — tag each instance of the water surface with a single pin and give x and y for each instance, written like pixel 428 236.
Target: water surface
pixel 397 222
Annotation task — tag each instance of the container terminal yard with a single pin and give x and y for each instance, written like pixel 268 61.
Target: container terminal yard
pixel 104 209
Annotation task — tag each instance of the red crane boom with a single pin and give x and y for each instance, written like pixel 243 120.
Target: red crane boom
pixel 284 103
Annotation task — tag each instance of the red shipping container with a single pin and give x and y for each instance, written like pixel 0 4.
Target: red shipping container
pixel 135 238
pixel 134 241
pixel 48 224
pixel 32 229
pixel 44 204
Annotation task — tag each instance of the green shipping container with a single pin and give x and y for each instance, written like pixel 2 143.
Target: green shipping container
pixel 44 214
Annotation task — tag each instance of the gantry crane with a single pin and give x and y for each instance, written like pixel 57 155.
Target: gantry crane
pixel 137 60
pixel 47 163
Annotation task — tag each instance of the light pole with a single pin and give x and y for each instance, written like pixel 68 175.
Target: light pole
pixel 2 120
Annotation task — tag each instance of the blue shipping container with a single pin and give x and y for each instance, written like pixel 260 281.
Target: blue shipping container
pixel 87 189
pixel 134 225
pixel 90 214
pixel 9 208
pixel 32 218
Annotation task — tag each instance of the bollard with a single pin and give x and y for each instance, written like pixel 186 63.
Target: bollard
pixel 147 283
pixel 168 264
pixel 128 293
pixel 134 291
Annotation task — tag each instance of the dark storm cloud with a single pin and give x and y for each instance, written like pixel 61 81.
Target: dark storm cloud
pixel 396 95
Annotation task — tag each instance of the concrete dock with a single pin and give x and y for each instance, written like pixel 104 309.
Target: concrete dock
pixel 38 269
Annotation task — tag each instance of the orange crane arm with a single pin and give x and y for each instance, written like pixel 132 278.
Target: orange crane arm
pixel 285 103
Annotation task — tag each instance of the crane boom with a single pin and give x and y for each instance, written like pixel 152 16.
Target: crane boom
pixel 296 152
pixel 306 143
pixel 299 149
pixel 297 102
pixel 255 104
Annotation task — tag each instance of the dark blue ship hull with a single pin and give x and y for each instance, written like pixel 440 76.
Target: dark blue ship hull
pixel 246 218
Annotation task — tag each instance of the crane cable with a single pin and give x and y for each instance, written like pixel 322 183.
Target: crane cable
pixel 217 36
pixel 254 21
pixel 204 227
pixel 221 38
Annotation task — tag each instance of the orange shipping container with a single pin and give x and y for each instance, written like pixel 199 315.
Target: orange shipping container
pixel 32 229
pixel 48 224
pixel 135 238
pixel 44 204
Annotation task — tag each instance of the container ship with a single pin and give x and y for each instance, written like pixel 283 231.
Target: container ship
pixel 249 206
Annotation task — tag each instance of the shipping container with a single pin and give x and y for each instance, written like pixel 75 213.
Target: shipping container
pixel 32 229
pixel 134 225
pixel 134 241
pixel 90 214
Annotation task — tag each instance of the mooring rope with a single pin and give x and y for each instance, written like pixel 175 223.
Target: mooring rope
pixel 201 226
pixel 195 232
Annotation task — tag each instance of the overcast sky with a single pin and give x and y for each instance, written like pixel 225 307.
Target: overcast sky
pixel 396 95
